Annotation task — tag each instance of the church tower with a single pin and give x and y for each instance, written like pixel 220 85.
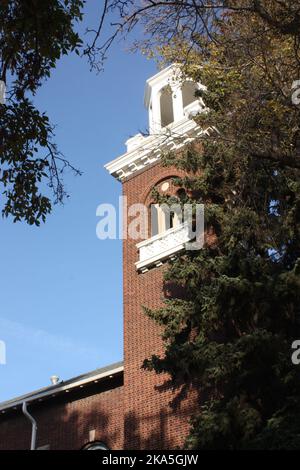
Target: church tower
pixel 149 420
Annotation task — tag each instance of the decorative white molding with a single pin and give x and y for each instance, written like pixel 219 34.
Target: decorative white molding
pixel 155 250
pixel 150 148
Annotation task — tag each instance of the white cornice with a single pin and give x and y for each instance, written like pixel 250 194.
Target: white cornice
pixel 151 148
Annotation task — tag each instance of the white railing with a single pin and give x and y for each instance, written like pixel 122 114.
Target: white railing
pixel 156 249
pixel 192 109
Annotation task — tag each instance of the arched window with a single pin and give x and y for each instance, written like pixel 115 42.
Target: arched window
pixel 165 217
pixel 166 106
pixel 189 89
pixel 95 445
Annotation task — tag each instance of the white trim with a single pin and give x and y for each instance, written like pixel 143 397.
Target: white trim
pixel 152 147
pixel 165 244
pixel 141 265
pixel 159 236
pixel 63 388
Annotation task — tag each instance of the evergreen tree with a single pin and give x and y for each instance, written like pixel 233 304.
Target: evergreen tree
pixel 231 333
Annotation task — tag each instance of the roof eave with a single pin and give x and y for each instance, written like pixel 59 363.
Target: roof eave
pixel 53 391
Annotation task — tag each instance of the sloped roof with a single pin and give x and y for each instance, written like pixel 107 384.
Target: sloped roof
pixel 64 386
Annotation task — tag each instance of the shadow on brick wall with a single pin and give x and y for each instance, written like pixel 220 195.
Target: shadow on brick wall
pixel 66 425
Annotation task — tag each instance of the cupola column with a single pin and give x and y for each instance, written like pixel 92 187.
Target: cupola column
pixel 177 102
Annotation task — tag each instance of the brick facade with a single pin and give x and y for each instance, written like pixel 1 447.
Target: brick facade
pixel 66 422
pixel 150 422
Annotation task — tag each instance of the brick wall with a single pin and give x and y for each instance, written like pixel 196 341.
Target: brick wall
pixel 150 422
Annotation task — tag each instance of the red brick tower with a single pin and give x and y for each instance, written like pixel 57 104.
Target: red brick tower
pixel 150 422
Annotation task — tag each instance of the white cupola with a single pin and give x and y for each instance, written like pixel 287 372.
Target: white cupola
pixel 171 103
pixel 169 98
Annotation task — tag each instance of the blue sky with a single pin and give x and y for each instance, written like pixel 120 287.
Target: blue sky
pixel 61 287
